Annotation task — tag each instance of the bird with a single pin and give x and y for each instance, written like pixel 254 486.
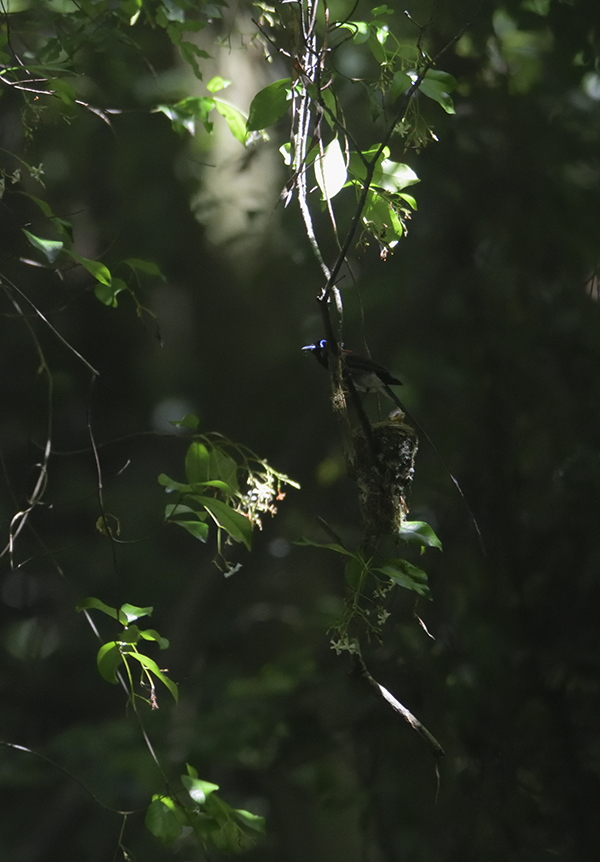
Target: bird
pixel 366 374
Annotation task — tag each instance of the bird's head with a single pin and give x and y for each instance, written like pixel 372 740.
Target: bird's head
pixel 318 350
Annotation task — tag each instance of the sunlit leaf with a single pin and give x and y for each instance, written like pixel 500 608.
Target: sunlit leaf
pixel 409 200
pixel 217 83
pixel 132 613
pixel 437 86
pixel 108 660
pixel 252 821
pixel 100 272
pixel 186 112
pixel 107 293
pixel 191 770
pixel 61 225
pixel 234 523
pixel 154 669
pixel 359 29
pixel 396 176
pixel 197 529
pixel 153 635
pixel 50 248
pixel 199 790
pixel 235 120
pixel 419 533
pixel 92 603
pixel 380 218
pixel 197 463
pixel 376 11
pixel 172 485
pixel 330 170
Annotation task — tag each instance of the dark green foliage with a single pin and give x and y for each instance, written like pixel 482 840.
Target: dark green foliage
pixel 133 353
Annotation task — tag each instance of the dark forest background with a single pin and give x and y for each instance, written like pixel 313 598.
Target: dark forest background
pixel 488 310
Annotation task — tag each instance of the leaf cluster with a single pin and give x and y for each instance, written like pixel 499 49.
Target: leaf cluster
pixel 198 808
pixel 370 583
pixel 226 484
pixel 123 649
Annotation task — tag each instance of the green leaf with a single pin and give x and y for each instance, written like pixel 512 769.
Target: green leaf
pixel 396 176
pixel 224 467
pixel 153 635
pixel 174 510
pixel 132 613
pixel 39 202
pixel 437 86
pixel 404 574
pixel 217 83
pixel 130 635
pixel 235 120
pixel 355 572
pixel 211 483
pixel 381 220
pixel 359 29
pixel 197 529
pixel 188 421
pixel 539 7
pixel 186 112
pixel 269 105
pixel 330 546
pixel 252 821
pixel 100 272
pixel 198 789
pixel 330 170
pixel 63 226
pixel 161 819
pixel 357 167
pixel 172 485
pixel 50 248
pixel 191 54
pixel 197 463
pixel 400 83
pixel 236 525
pixel 148 267
pixel 377 36
pixel 107 293
pixel 409 200
pixel 91 603
pixel 154 669
pixel 191 770
pixel 381 10
pixel 397 226
pixel 328 98
pixel 108 660
pixel 173 10
pixel 64 90
pixel 419 533
pixel 443 79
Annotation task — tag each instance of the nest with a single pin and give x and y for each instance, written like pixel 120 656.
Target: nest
pixel 383 470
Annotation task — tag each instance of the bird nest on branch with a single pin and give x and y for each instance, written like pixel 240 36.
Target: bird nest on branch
pixel 383 469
